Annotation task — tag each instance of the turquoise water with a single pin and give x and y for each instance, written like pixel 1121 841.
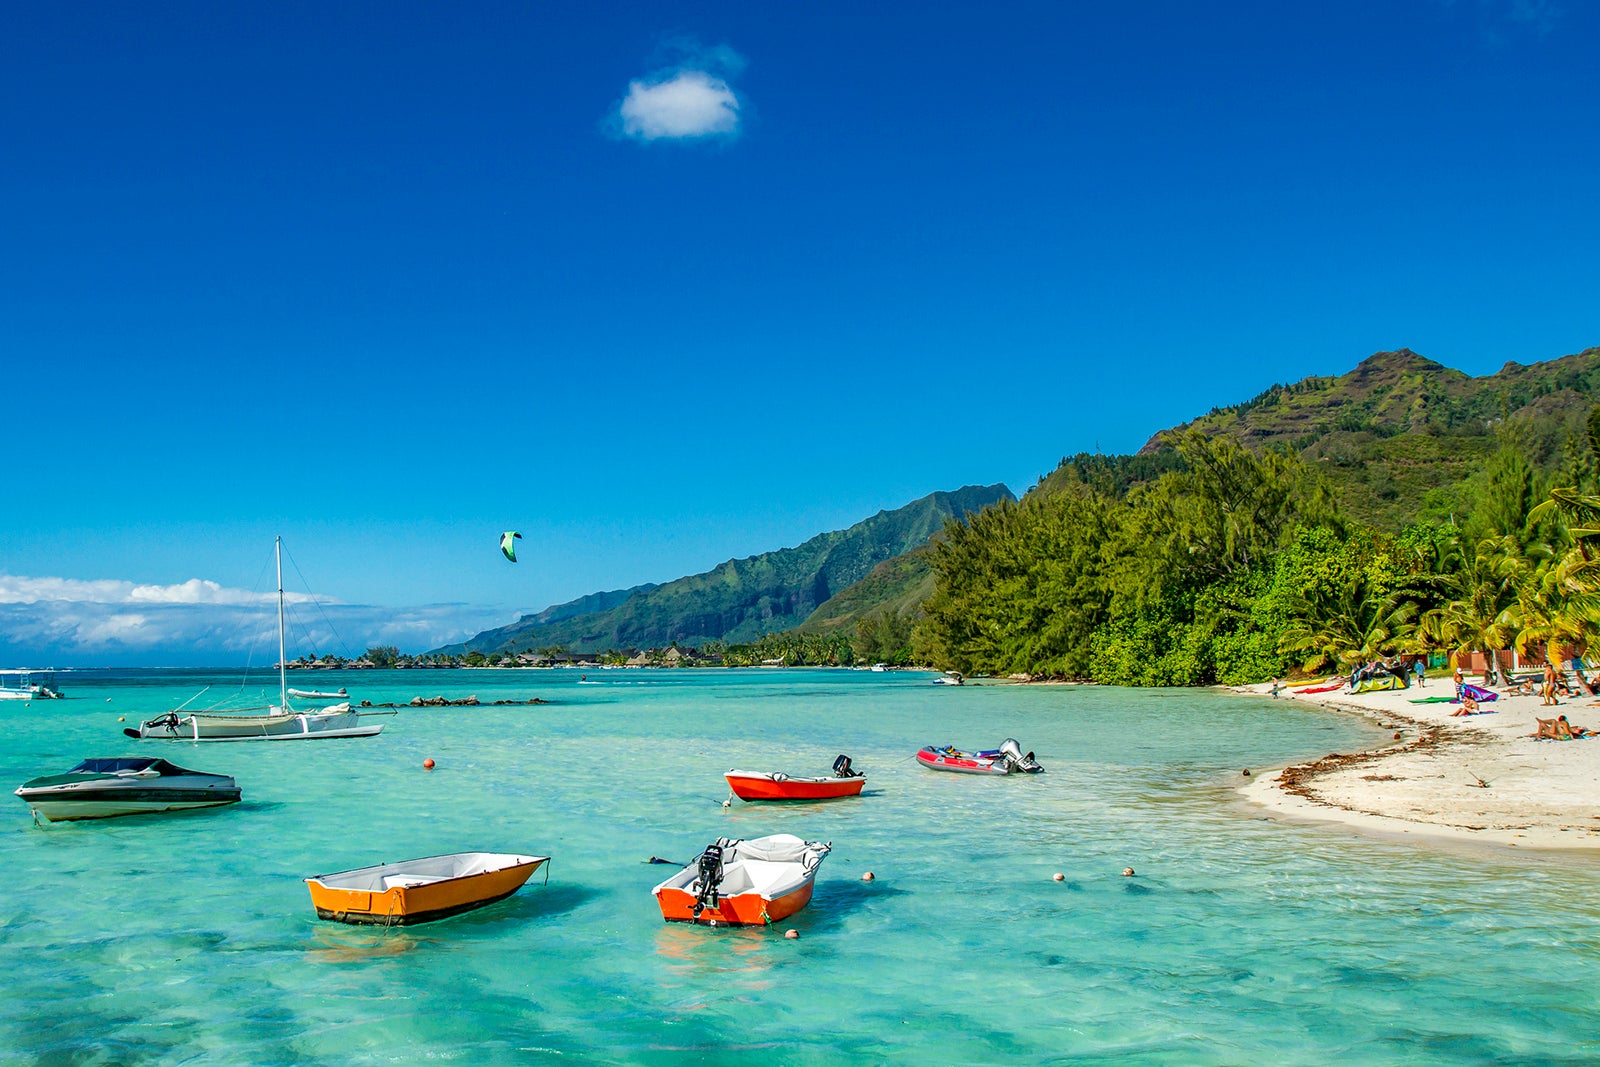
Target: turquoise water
pixel 190 938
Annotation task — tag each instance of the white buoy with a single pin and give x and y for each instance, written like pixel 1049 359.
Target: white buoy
pixel 792 935
pixel 1058 877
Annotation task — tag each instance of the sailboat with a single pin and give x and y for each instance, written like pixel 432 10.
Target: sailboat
pixel 279 723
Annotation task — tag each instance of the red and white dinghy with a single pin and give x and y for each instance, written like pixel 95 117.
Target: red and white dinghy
pixel 775 785
pixel 743 883
pixel 1007 759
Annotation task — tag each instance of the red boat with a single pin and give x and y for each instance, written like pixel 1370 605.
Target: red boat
pixel 764 785
pixel 1007 759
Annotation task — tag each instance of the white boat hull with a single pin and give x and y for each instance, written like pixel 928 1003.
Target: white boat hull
pixel 69 810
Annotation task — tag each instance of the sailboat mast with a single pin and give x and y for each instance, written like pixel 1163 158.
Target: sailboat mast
pixel 283 666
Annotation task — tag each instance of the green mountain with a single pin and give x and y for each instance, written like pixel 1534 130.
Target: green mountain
pixel 742 599
pixel 897 585
pixel 1399 437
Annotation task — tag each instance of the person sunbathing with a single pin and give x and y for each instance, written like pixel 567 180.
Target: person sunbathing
pixel 1567 732
pixel 1468 706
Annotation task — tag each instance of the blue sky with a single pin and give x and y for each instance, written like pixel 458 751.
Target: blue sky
pixel 664 285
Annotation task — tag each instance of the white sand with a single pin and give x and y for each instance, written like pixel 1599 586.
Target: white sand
pixel 1539 794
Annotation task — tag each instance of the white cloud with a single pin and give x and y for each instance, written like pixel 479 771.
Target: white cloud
pixel 689 97
pixel 15 589
pixel 201 623
pixel 689 104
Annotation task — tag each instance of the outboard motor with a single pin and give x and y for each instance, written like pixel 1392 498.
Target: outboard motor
pixel 1015 760
pixel 710 877
pixel 168 722
pixel 841 768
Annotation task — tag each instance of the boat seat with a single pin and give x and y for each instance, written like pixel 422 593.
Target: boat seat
pixel 408 881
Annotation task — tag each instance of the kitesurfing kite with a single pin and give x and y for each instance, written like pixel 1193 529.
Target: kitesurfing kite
pixel 508 544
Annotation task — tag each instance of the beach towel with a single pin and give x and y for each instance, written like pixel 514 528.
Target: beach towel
pixel 1321 688
pixel 1481 695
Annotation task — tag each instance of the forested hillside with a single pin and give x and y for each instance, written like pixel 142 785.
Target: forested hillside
pixel 1222 562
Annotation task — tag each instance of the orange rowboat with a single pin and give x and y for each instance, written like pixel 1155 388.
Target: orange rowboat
pixel 419 891
pixel 743 883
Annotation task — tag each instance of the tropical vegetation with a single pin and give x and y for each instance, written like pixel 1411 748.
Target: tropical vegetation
pixel 1236 566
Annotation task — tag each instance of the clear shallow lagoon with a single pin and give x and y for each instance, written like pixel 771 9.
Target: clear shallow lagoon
pixel 190 938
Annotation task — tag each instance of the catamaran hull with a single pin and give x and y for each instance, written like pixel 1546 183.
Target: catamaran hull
pixel 256 728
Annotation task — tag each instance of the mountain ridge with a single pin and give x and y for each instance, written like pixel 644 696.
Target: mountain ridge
pixel 739 600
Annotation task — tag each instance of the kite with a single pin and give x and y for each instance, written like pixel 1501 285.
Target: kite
pixel 508 544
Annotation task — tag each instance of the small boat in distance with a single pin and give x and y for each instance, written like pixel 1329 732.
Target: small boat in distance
pixel 28 684
pixel 421 890
pixel 775 785
pixel 950 678
pixel 104 788
pixel 1007 759
pixel 315 694
pixel 743 883
pixel 277 723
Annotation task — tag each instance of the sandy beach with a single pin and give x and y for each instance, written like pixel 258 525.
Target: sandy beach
pixel 1480 778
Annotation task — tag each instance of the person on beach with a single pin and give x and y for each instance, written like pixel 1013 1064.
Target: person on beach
pixel 1548 689
pixel 1275 689
pixel 1420 670
pixel 1459 682
pixel 1468 706
pixel 1567 732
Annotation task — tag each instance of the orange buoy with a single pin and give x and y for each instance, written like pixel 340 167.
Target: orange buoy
pixel 427 764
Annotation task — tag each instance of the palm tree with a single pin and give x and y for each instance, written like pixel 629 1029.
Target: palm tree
pixel 1474 615
pixel 1351 622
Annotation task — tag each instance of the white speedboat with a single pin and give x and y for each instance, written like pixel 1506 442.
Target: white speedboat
pixel 28 684
pixel 103 788
pixel 280 722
